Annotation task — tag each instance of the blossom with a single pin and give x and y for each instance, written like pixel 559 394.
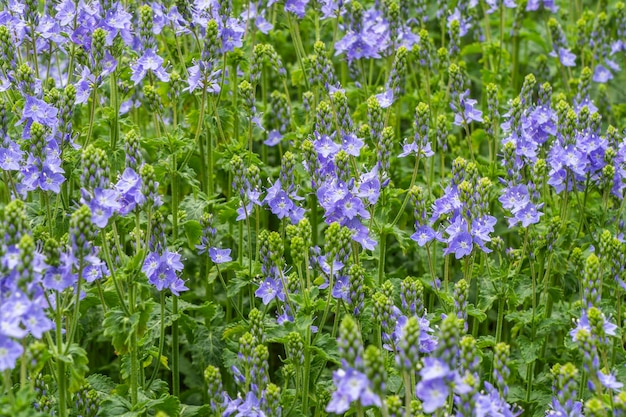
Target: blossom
pixel 10 351
pixel 461 245
pixel 351 386
pixel 149 61
pixel 220 256
pixel 467 113
pixel 269 290
pixel 36 110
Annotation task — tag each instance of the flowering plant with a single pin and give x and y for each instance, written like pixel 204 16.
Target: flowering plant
pixel 312 207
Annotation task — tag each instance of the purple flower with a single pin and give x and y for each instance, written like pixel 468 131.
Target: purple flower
pixel 10 156
pixel 423 235
pixel 433 393
pixel 10 351
pixel 527 215
pixel 385 99
pixel 58 279
pixel 297 7
pixel 281 204
pixel 351 386
pixel 601 74
pixel 273 138
pixel 129 186
pixel 269 290
pixel 219 256
pixel 567 58
pixel 149 61
pixel 103 205
pixel 161 271
pixel 461 245
pixel 197 79
pixel 609 381
pixel 39 111
pixel 351 144
pixel 251 407
pixel 515 198
pixel 36 322
pixel 325 146
pixel 469 112
pixel 342 288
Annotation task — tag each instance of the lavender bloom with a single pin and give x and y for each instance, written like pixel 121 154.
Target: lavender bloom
pixel 270 289
pixel 467 113
pixel 10 351
pixel 220 256
pixel 297 7
pixel 351 386
pixel 149 61
pixel 39 111
pixel 162 270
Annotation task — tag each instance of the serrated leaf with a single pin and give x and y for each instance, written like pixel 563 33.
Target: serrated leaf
pixel 78 367
pixel 195 410
pixel 478 314
pixel 103 384
pixel 119 328
pixel 117 406
pixel 167 404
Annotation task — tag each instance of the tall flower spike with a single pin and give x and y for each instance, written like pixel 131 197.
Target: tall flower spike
pixel 350 344
pixel 565 387
pixel 461 290
pixel 257 327
pixel 356 291
pixel 501 371
pixel 95 169
pixel 295 348
pixel 449 336
pixel 407 357
pixel 397 75
pixel 591 287
pixel 412 296
pixel 260 367
pixel 82 232
pixel 374 364
pixel 469 355
pixel 213 380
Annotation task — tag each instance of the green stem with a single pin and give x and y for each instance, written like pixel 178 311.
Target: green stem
pixel 175 351
pixel 92 114
pixel 116 111
pixel 161 343
pixel 381 257
pixel 407 394
pixel 74 323
pixel 61 380
pixel 406 197
pixel 8 387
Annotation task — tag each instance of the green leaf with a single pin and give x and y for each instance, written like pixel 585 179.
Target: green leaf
pixel 195 410
pixel 167 404
pixel 78 367
pixel 119 328
pixel 478 314
pixel 117 406
pixel 101 383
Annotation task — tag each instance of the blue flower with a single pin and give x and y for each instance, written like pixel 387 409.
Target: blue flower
pixel 467 113
pixel 39 111
pixel 461 245
pixel 433 393
pixel 269 290
pixel 219 256
pixel 149 61
pixel 10 351
pixel 297 7
pixel 351 386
